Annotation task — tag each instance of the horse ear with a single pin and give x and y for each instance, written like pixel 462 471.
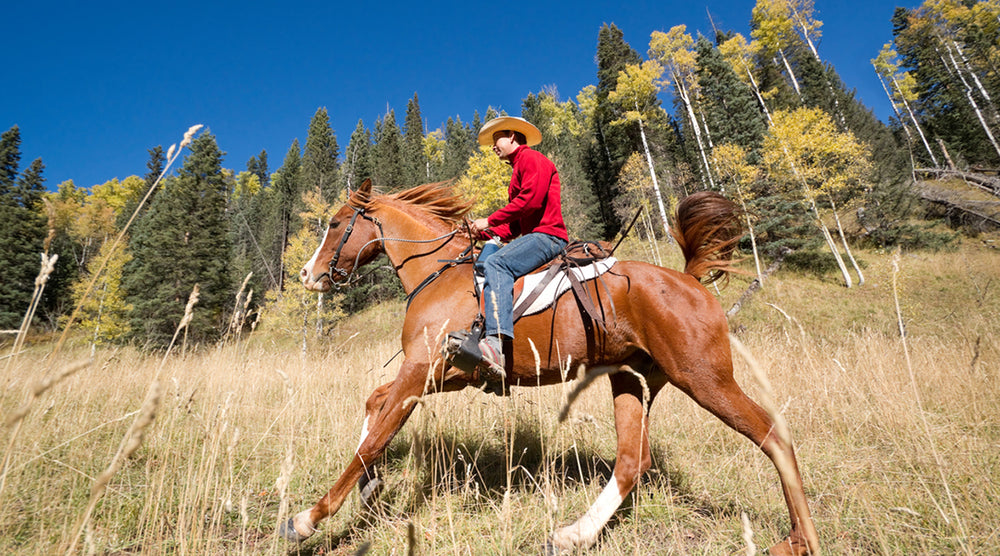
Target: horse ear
pixel 366 187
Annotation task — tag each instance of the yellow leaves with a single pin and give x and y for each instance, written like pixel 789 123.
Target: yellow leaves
pixel 318 212
pixel 434 145
pixel 637 85
pixel 485 181
pixel 673 51
pixel 740 55
pixel 731 164
pixel 247 185
pixel 587 101
pixel 104 314
pixel 772 24
pixel 805 150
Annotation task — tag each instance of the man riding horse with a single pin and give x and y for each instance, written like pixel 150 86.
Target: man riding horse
pixel 531 223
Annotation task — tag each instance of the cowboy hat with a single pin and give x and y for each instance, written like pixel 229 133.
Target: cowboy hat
pixel 509 123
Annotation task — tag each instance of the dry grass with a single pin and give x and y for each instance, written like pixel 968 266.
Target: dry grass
pixel 249 430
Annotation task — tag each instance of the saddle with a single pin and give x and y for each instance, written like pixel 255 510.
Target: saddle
pixel 578 263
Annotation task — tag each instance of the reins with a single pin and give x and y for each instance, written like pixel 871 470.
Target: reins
pixel 347 275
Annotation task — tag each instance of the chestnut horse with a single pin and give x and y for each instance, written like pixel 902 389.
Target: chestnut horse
pixel 661 324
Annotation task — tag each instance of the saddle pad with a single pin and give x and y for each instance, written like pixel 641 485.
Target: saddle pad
pixel 556 287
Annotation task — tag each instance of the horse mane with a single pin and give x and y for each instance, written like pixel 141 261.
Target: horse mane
pixel 438 200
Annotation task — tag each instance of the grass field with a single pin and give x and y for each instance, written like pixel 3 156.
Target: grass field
pixel 898 441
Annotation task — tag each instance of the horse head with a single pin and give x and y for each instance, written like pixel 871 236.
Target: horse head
pixel 351 241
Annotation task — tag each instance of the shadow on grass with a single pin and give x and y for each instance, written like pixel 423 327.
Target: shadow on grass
pixel 418 467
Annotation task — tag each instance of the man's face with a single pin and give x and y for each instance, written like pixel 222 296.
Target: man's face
pixel 503 144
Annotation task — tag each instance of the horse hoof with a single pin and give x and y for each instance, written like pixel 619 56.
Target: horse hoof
pixel 288 532
pixel 369 492
pixel 550 549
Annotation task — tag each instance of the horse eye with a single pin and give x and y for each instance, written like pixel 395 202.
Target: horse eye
pixel 334 224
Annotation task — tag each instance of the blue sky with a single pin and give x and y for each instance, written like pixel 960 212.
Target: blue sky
pixel 93 86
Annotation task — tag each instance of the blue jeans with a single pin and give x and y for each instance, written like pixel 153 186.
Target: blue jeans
pixel 501 269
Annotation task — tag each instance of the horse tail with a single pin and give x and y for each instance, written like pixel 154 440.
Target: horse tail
pixel 707 227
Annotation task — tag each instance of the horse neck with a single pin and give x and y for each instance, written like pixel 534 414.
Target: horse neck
pixel 418 260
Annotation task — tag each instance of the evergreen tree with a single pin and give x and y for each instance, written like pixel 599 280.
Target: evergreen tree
pixel 613 144
pixel 181 242
pixel 154 166
pixel 320 168
pixel 30 184
pixel 388 159
pixel 10 158
pixel 731 111
pixel 22 230
pixel 358 158
pixel 257 165
pixel 460 143
pixel 282 213
pixel 413 144
pixel 949 104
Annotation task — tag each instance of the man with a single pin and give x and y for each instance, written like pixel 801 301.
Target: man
pixel 531 223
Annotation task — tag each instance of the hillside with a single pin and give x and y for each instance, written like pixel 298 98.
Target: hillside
pixel 896 440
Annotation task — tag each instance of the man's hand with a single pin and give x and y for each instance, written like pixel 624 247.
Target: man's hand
pixel 480 224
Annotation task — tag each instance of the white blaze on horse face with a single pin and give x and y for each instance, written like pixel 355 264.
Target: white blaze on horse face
pixel 583 533
pixel 308 270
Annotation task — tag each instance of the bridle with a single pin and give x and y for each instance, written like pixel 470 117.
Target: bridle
pixel 345 274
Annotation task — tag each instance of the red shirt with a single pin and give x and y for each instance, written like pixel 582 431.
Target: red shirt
pixel 533 198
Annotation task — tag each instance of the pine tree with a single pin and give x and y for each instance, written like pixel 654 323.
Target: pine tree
pixel 154 166
pixel 613 144
pixel 731 111
pixel 181 242
pixel 30 184
pixel 413 144
pixel 388 159
pixel 320 167
pixel 10 158
pixel 283 210
pixel 460 143
pixel 22 231
pixel 257 165
pixel 358 158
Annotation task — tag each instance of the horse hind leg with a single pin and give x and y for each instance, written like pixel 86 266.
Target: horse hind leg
pixel 632 460
pixel 721 395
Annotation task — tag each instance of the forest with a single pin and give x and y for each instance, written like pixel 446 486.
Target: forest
pixel 763 119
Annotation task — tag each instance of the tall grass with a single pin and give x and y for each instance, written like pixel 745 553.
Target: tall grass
pixel 896 442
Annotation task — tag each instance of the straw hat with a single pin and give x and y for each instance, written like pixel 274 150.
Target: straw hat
pixel 509 123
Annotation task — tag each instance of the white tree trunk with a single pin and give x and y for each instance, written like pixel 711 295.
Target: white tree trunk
pixel 831 244
pixel 686 99
pixel 791 74
pixel 847 248
pixel 913 118
pixel 760 98
pixel 652 175
pixel 972 101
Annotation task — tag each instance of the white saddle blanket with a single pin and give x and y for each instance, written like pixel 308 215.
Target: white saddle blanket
pixel 556 287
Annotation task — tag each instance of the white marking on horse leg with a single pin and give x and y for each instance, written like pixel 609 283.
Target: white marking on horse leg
pixel 364 434
pixel 585 530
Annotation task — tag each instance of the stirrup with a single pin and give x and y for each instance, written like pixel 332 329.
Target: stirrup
pixel 461 350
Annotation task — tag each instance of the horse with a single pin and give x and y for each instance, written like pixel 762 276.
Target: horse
pixel 664 326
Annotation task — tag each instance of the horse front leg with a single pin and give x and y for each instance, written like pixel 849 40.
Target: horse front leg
pixel 396 408
pixel 632 460
pixel 369 483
